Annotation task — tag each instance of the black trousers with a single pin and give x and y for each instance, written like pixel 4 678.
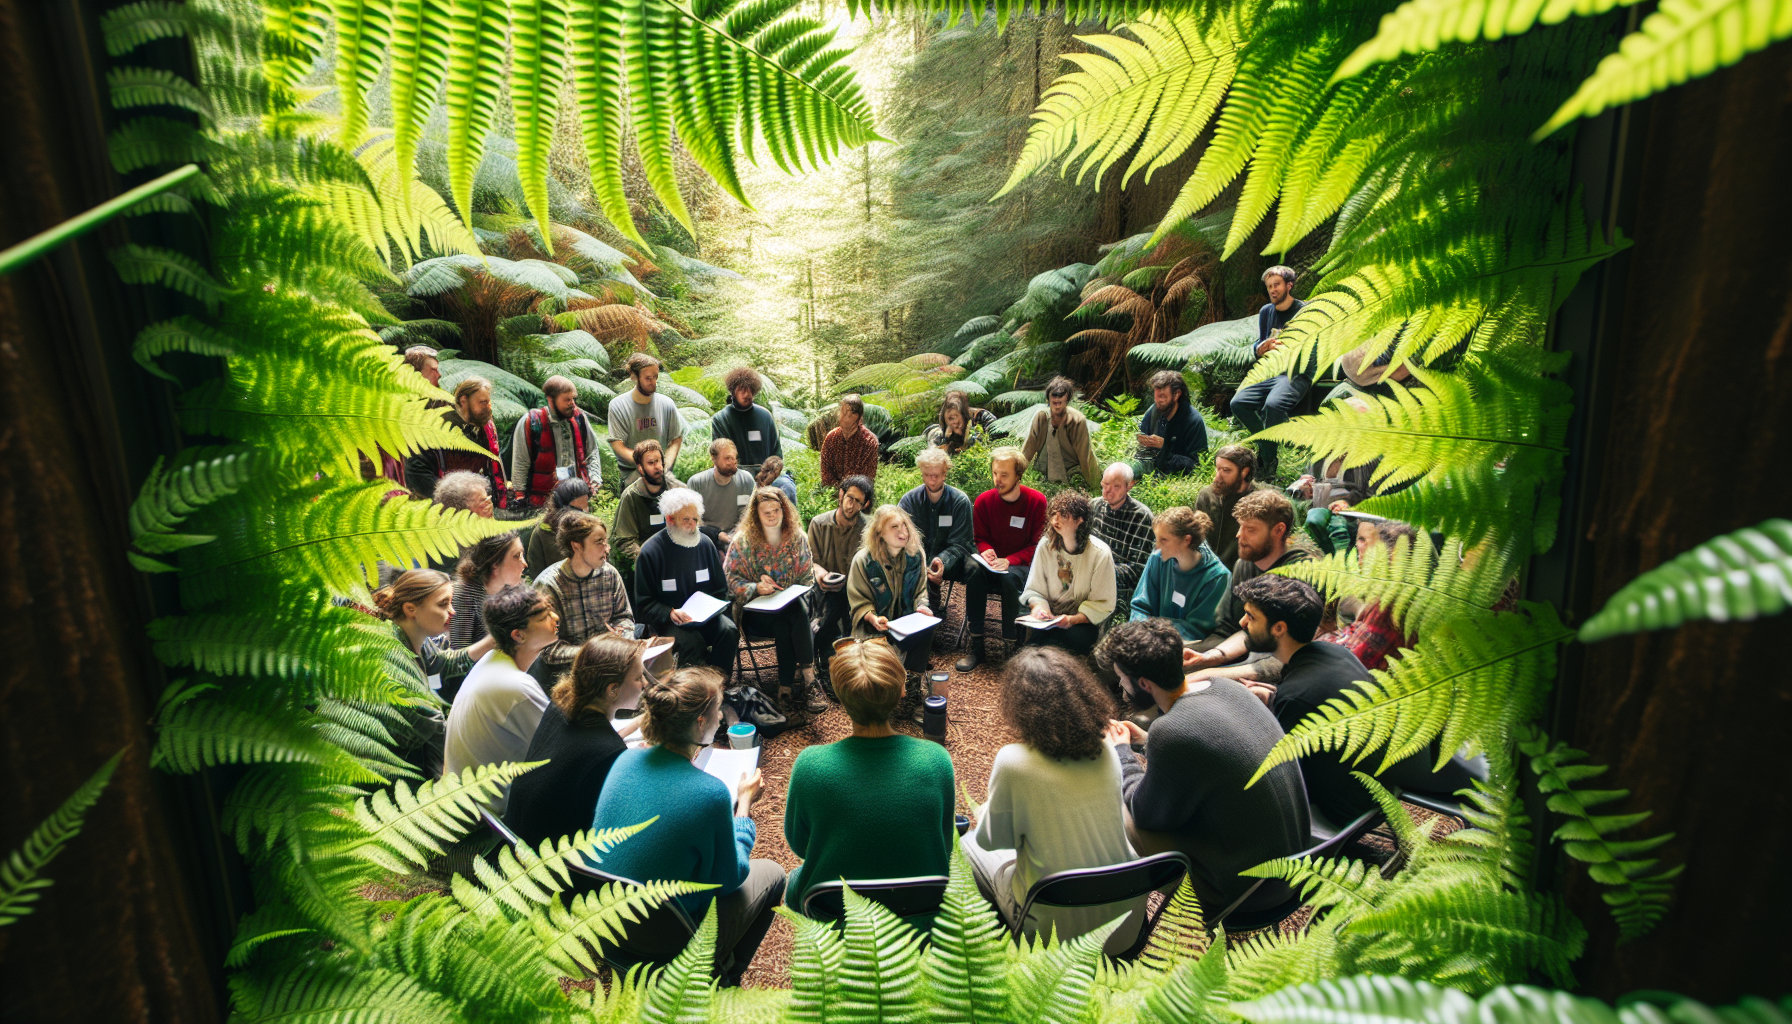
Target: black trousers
pixel 916 650
pixel 832 624
pixel 710 643
pixel 789 630
pixel 1078 639
pixel 958 573
pixel 976 596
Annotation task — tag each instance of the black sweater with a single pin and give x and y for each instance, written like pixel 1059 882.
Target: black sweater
pixel 560 798
pixel 1192 793
pixel 666 575
pixel 951 543
pixel 738 425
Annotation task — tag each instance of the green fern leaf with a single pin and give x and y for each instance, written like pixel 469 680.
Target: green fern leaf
pixel 476 45
pixel 293 34
pixel 1429 24
pixel 133 25
pixel 419 65
pixel 965 964
pixel 1195 991
pixel 266 923
pixel 363 34
pixel 404 828
pixel 1358 1000
pixel 1682 40
pixel 571 933
pixel 1417 583
pixel 20 885
pixel 237 728
pixel 522 878
pixel 335 993
pixel 141 264
pixel 880 976
pixel 294 804
pixel 198 477
pixel 1056 984
pixel 538 66
pixel 1271 961
pixel 1180 933
pixel 322 649
pixel 601 80
pixel 182 334
pixel 1637 890
pixel 1499 833
pixel 155 87
pixel 1470 936
pixel 681 993
pixel 1302 97
pixel 815 959
pixel 1736 577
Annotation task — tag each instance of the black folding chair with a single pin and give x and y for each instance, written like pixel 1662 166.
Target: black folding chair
pixel 904 897
pixel 1327 839
pixel 1095 887
pixel 750 646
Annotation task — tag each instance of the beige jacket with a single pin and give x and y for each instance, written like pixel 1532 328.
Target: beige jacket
pixel 1073 437
pixel 858 593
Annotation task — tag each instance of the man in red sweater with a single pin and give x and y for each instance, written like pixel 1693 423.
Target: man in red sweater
pixel 1006 522
pixel 850 449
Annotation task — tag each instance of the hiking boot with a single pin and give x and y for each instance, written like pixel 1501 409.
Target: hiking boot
pixel 974 656
pixel 805 693
pixel 908 709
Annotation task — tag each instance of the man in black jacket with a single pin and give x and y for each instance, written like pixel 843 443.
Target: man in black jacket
pixel 943 515
pixel 472 416
pixel 1172 434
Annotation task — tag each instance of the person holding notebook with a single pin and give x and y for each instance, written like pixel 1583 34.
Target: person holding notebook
pixel 770 553
pixel 887 581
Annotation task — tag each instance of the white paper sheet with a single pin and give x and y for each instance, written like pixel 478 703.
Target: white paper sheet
pixel 1032 623
pixel 702 607
pixel 910 624
pixel 982 558
pixel 655 649
pixel 775 602
pixel 728 764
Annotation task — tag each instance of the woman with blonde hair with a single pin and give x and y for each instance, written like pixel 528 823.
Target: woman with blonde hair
pixel 769 553
pixel 697 835
pixel 1185 580
pixel 577 740
pixel 1071 584
pixel 887 580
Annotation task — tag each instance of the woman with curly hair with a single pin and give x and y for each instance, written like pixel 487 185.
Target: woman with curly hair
pixel 1070 587
pixel 887 580
pixel 769 553
pixel 1054 797
pixel 959 426
pixel 485 568
pixel 543 550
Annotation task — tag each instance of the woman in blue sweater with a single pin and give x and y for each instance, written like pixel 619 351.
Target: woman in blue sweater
pixel 1185 580
pixel 696 835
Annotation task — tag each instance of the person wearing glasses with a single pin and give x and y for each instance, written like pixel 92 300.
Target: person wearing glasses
pixel 577 740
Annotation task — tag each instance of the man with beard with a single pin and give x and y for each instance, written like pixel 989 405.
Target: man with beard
pixel 726 491
pixel 1123 523
pixel 1267 403
pixel 750 427
pixel 472 416
pixel 1172 434
pixel 554 443
pixel 674 564
pixel 642 414
pixel 1058 441
pixel 1006 522
pixel 943 515
pixel 850 449
pixel 1234 473
pixel 1265 519
pixel 1281 615
pixel 834 537
pixel 638 514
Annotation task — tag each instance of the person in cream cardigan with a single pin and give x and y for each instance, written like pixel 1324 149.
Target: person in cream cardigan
pixel 1071 584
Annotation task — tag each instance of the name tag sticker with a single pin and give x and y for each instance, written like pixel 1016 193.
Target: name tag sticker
pixel 563 472
pixel 1018 522
pixel 657 520
pixel 668 585
pixel 945 520
pixel 1177 597
pixel 702 575
pixel 742 499
pixel 753 435
pixel 435 683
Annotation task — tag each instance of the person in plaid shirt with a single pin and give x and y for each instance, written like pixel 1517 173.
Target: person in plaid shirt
pixel 1374 635
pixel 584 589
pixel 850 449
pixel 1124 524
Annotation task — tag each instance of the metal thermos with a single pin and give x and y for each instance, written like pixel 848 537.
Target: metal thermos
pixel 933 719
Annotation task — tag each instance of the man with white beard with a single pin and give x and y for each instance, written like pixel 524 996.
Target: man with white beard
pixel 674 564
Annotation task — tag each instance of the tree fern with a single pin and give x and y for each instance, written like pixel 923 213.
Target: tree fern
pixel 964 964
pixel 1637 890
pixel 20 885
pixel 1736 577
pixel 1680 41
pixel 406 827
pixel 363 35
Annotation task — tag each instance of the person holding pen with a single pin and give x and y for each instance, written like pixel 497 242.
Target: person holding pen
pixel 1006 522
pixel 887 581
pixel 770 554
pixel 1070 587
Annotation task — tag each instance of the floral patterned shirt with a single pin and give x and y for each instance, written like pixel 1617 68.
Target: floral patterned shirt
pixel 787 564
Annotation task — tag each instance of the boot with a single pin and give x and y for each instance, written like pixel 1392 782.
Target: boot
pixel 806 693
pixel 908 709
pixel 972 657
pixel 795 709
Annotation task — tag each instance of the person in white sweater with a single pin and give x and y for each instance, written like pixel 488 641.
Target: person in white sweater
pixel 1054 798
pixel 1070 588
pixel 499 706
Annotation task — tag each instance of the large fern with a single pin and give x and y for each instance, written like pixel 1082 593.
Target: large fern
pixel 20 884
pixel 1735 577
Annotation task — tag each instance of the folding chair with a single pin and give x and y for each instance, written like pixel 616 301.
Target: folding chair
pixel 1095 887
pixel 904 897
pixel 750 646
pixel 947 589
pixel 1327 839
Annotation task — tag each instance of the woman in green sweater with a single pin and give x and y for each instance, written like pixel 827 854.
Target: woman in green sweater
pixel 1185 580
pixel 876 804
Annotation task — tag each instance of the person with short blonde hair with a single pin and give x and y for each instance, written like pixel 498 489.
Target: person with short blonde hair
pixel 1006 523
pixel 887 581
pixel 699 833
pixel 1184 582
pixel 770 553
pixel 1058 440
pixel 942 513
pixel 876 804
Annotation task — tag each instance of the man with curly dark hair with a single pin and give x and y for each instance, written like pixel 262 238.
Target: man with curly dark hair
pixel 1190 792
pixel 750 426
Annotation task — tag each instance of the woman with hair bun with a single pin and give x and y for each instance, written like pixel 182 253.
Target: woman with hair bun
pixel 696 835
pixel 543 548
pixel 420 605
pixel 577 740
pixel 1185 580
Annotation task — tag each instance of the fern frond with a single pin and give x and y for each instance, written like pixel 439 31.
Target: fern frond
pixel 1682 40
pixel 1430 24
pixel 333 992
pixel 363 34
pixel 240 727
pixel 1195 991
pixel 1358 1000
pixel 199 476
pixel 1055 984
pixel 1499 833
pixel 405 827
pixel 601 82
pixel 1736 577
pixel 522 877
pixel 1327 881
pixel 1466 682
pixel 142 264
pixel 146 21
pixel 1415 582
pixel 322 649
pixel 965 963
pixel 880 976
pixel 20 885
pixel 1637 890
pixel 266 923
pixel 182 334
pixel 1271 961
pixel 1224 346
pixel 681 993
pixel 1180 933
pixel 293 34
pixel 476 45
pixel 292 804
pixel 155 87
pixel 1469 936
pixel 571 933
pixel 419 65
pixel 538 66
pixel 815 959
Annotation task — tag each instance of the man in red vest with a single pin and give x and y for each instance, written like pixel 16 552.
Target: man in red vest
pixel 472 416
pixel 554 443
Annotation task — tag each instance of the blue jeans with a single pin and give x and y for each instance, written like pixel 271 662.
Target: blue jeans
pixel 1265 404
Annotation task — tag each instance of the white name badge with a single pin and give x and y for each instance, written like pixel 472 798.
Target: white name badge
pixel 656 520
pixel 753 435
pixel 702 575
pixel 1018 522
pixel 742 499
pixel 668 585
pixel 945 520
pixel 1178 598
pixel 435 683
pixel 563 472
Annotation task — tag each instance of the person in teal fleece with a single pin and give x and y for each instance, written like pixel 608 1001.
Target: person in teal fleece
pixel 694 835
pixel 876 804
pixel 1185 580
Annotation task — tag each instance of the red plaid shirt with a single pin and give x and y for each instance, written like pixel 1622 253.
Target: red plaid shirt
pixel 843 456
pixel 1372 637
